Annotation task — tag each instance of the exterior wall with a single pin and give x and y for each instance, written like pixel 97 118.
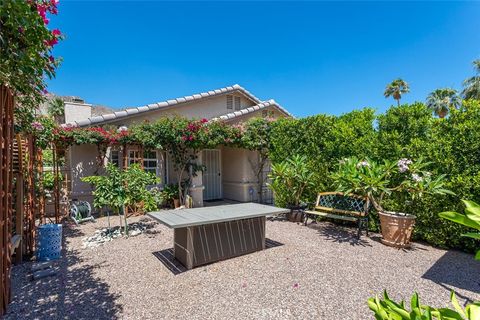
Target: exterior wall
pixel 239 165
pixel 77 111
pixel 83 163
pixel 238 178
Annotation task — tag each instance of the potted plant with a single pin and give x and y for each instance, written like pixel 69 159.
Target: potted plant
pixel 289 180
pixel 404 179
pixel 170 195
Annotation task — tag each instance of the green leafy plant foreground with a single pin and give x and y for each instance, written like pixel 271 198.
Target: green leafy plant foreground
pixel 470 219
pixel 387 309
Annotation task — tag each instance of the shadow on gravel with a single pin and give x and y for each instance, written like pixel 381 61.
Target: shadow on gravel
pixel 149 225
pixel 73 293
pixel 455 270
pixel 167 257
pixel 339 234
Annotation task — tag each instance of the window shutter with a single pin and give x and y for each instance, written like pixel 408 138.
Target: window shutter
pixel 237 103
pixel 229 101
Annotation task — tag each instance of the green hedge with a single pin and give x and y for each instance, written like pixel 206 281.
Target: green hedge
pixel 452 145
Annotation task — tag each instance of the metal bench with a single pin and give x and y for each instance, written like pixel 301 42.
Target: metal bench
pixel 336 205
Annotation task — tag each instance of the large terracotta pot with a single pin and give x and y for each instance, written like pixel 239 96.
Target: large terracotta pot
pixel 176 203
pixel 296 213
pixel 396 229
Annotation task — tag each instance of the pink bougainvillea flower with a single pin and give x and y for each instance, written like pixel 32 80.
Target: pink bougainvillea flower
pixel 52 59
pixel 42 12
pixel 53 6
pixel 204 120
pixel 51 42
pixel 56 32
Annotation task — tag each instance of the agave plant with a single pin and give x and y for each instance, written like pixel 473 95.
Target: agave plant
pixel 471 219
pixel 387 309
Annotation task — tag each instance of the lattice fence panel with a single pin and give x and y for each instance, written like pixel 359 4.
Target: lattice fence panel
pixel 6 185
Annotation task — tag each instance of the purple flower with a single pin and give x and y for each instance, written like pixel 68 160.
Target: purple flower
pixel 363 163
pixel 416 178
pixel 37 126
pixel 403 164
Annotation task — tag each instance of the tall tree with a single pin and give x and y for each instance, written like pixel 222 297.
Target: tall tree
pixel 396 89
pixel 56 109
pixel 441 101
pixel 471 86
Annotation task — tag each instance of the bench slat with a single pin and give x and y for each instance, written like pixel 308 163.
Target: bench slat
pixel 331 215
pixel 353 213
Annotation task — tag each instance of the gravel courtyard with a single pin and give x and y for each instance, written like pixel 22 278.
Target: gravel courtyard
pixel 319 272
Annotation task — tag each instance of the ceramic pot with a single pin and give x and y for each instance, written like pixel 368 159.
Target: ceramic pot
pixel 396 229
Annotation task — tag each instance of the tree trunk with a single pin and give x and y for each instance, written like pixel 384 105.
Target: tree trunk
pixel 125 220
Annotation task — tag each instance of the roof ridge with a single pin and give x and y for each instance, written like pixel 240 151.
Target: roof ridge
pixel 163 104
pixel 259 106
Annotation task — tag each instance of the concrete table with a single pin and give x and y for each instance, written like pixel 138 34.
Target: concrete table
pixel 208 234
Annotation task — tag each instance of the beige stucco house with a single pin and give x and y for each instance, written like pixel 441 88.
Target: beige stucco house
pixel 229 171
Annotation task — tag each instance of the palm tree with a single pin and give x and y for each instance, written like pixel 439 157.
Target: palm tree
pixel 56 109
pixel 441 101
pixel 471 86
pixel 396 89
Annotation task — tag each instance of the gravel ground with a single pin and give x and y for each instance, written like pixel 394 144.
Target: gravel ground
pixel 320 272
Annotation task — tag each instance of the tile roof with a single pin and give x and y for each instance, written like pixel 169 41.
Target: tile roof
pixel 260 106
pixel 101 119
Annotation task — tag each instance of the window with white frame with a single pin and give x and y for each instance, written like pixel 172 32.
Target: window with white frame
pixel 133 157
pixel 150 162
pixel 115 158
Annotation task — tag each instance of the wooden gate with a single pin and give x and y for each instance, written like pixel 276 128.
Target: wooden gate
pixel 6 183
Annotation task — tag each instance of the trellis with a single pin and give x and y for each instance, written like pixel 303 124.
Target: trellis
pixel 26 208
pixel 6 178
pixel 20 212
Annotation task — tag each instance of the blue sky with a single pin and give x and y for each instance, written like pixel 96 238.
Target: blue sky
pixel 311 57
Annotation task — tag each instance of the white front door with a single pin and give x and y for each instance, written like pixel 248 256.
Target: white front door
pixel 212 176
